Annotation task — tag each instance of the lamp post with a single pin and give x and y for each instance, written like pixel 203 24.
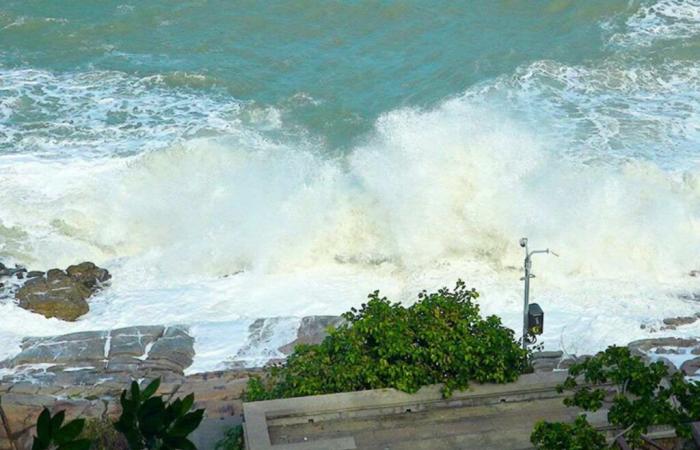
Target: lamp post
pixel 527 325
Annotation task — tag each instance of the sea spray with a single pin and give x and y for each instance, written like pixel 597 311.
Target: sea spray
pixel 452 183
pixel 229 163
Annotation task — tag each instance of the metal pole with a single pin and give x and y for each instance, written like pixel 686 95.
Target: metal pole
pixel 526 296
pixel 528 275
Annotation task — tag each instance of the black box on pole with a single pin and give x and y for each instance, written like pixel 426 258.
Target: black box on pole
pixel 535 319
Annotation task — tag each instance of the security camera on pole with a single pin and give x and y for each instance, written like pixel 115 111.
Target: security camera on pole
pixel 533 316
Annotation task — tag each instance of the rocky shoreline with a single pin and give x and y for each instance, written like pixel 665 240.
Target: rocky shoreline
pixel 85 372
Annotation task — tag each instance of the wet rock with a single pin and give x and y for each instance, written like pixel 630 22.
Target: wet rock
pixel 312 330
pixel 173 351
pixel 86 357
pixel 9 272
pixel 61 294
pixel 685 320
pixel 667 351
pixel 133 341
pixel 57 295
pixel 672 322
pixel 56 274
pixel 92 358
pixel 84 347
pixel 691 366
pixel 89 274
pixel 645 345
pixel 693 296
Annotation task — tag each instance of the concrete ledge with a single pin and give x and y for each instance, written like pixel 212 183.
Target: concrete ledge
pixel 364 404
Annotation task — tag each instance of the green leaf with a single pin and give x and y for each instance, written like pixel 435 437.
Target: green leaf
pixel 43 426
pixel 39 445
pixel 180 443
pixel 187 403
pixel 187 424
pixel 151 416
pixel 70 431
pixel 135 392
pixel 81 444
pixel 57 421
pixel 150 389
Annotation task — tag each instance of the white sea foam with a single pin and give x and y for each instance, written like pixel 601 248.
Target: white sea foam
pixel 102 113
pixel 455 182
pixel 609 112
pixel 661 20
pixel 433 195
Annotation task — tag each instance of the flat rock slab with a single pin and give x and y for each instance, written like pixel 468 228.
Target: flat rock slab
pixel 67 349
pixel 646 345
pixel 92 357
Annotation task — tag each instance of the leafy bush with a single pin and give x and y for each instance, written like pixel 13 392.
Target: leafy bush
pixel 148 422
pixel 638 396
pixel 442 338
pixel 559 436
pixel 232 440
pixel 103 436
pixel 51 433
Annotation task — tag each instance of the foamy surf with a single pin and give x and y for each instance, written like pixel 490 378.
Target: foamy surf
pixel 220 185
pixel 214 233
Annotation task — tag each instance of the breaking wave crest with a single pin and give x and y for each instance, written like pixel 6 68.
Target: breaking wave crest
pixel 458 182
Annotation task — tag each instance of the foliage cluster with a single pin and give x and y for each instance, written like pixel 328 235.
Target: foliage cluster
pixel 103 436
pixel 637 395
pixel 563 436
pixel 146 422
pixel 442 338
pixel 52 433
pixel 232 440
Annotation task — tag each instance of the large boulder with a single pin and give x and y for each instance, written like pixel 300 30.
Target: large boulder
pixel 56 295
pixel 89 274
pixel 312 330
pixel 691 367
pixel 61 294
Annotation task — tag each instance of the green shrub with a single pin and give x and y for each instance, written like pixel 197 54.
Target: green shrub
pixel 442 338
pixel 148 422
pixel 232 440
pixel 51 433
pixel 638 395
pixel 103 436
pixel 562 436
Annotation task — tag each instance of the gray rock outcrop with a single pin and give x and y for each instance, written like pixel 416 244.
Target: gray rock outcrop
pixel 88 356
pixel 312 330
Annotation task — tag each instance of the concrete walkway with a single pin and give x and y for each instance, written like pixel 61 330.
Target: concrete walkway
pixel 497 427
pixel 485 417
